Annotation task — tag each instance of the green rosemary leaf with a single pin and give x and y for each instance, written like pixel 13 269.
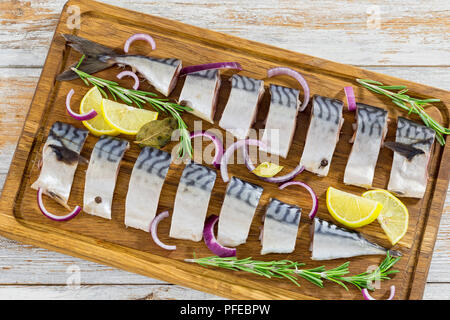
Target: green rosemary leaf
pixel 102 92
pixel 79 62
pixel 370 81
pixel 112 93
pixel 393 87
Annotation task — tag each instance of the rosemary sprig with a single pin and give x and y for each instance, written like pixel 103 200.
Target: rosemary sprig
pixel 290 270
pixel 407 103
pixel 138 97
pixel 382 272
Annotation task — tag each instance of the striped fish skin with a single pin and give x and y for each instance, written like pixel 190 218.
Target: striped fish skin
pixel 238 209
pixel 281 120
pixel 60 156
pixel 191 202
pixel 368 139
pixel 242 106
pixel 409 177
pixel 160 73
pixel 146 181
pixel 280 227
pixel 323 134
pixel 329 241
pixel 200 92
pixel 101 175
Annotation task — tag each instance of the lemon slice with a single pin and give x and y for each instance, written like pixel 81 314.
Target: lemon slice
pixel 97 126
pixel 393 217
pixel 267 169
pixel 351 210
pixel 124 118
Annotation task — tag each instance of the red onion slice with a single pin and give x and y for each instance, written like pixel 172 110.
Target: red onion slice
pixel 139 36
pixel 217 143
pixel 230 151
pixel 210 66
pixel 289 72
pixel 81 117
pixel 351 100
pixel 280 179
pixel 52 216
pixel 154 230
pixel 131 74
pixel 211 242
pixel 315 201
pixel 367 296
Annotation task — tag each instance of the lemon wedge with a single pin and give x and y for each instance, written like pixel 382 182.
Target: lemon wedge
pixel 351 210
pixel 267 169
pixel 394 216
pixel 97 126
pixel 124 118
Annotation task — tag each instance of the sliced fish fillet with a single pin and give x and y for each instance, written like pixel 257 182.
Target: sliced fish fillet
pixel 191 202
pixel 370 132
pixel 160 73
pixel 329 241
pixel 242 106
pixel 200 92
pixel 238 209
pixel 323 134
pixel 409 177
pixel 101 175
pixel 280 227
pixel 281 120
pixel 60 156
pixel 146 182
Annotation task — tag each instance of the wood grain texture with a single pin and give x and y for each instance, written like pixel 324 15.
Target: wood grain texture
pixel 103 292
pixel 434 76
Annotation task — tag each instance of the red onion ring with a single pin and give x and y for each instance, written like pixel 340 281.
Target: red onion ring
pixel 367 296
pixel 289 72
pixel 315 205
pixel 139 36
pixel 211 242
pixel 154 230
pixel 280 179
pixel 230 151
pixel 210 66
pixel 131 74
pixel 52 216
pixel 81 117
pixel 217 143
pixel 351 100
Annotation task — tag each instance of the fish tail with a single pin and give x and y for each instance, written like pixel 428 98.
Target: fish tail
pixel 94 60
pixel 394 253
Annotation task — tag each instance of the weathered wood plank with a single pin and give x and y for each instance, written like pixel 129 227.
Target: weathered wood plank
pixel 437 291
pixel 103 292
pixel 433 291
pixel 343 32
pixel 25 264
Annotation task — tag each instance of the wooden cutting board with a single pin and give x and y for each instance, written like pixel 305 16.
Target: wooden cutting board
pixel 110 242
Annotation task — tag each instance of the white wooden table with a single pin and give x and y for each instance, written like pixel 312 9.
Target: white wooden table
pixel 401 38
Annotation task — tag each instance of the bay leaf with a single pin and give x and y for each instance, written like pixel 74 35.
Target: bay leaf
pixel 156 133
pixel 267 169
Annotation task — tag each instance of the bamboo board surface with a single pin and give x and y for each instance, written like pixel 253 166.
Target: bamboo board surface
pixel 140 242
